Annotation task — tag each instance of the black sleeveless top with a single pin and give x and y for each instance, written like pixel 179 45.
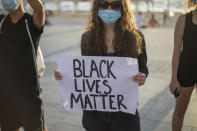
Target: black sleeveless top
pixel 18 74
pixel 188 58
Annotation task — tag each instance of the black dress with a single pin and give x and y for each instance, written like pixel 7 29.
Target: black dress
pixel 188 62
pixel 20 101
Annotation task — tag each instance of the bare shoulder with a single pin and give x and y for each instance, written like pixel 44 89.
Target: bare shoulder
pixel 181 21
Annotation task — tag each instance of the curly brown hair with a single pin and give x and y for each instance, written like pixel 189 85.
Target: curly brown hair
pixel 127 41
pixel 191 4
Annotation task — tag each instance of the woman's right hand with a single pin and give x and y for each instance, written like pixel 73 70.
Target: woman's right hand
pixel 58 75
pixel 173 85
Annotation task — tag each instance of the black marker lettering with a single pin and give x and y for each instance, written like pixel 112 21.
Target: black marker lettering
pixel 111 102
pixel 109 66
pixel 120 98
pixel 100 68
pixel 105 83
pixel 78 99
pixel 94 69
pixel 77 68
pixel 94 96
pixel 77 90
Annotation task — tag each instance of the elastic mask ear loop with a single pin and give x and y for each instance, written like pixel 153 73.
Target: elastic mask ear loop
pixel 1 24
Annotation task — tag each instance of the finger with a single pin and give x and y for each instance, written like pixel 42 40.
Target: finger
pixel 57 73
pixel 135 77
pixel 172 90
pixel 58 77
pixel 140 79
pixel 140 76
pixel 141 83
pixel 136 80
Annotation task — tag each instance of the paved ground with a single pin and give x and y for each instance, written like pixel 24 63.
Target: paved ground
pixel 155 104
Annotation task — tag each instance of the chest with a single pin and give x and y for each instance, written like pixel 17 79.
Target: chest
pixel 13 36
pixel 14 40
pixel 109 43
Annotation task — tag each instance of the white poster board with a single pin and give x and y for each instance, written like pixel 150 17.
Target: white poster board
pixel 98 83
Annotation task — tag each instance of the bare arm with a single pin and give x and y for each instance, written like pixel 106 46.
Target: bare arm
pixel 178 40
pixel 38 12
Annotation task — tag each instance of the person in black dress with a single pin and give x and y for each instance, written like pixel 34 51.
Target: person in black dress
pixel 184 62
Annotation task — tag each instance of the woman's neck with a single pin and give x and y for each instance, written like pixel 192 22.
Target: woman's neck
pixel 109 36
pixel 109 28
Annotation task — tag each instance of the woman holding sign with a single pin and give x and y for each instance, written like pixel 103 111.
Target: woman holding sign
pixel 184 63
pixel 111 31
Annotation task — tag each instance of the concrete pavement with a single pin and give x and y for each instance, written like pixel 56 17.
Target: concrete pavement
pixel 156 104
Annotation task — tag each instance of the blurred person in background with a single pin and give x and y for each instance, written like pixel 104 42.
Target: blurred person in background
pixel 184 62
pixel 140 21
pixel 165 17
pixel 48 14
pixel 153 22
pixel 20 101
pixel 112 31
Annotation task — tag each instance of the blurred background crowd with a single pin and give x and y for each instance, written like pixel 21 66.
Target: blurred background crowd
pixel 149 13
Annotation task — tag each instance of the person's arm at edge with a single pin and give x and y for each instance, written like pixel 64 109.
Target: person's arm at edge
pixel 142 58
pixel 178 39
pixel 38 12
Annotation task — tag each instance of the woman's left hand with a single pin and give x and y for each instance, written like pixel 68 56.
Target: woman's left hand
pixel 140 78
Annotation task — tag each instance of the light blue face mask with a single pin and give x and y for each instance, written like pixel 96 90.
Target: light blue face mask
pixel 10 5
pixel 109 16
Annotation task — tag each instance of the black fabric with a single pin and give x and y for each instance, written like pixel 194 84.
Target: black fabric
pixel 17 66
pixel 110 121
pixel 187 67
pixel 142 59
pixel 23 111
pixel 20 102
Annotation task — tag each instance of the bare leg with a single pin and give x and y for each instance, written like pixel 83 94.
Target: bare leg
pixel 10 130
pixel 180 108
pixel 45 128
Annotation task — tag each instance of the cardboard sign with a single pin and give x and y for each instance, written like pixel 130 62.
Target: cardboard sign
pixel 98 83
